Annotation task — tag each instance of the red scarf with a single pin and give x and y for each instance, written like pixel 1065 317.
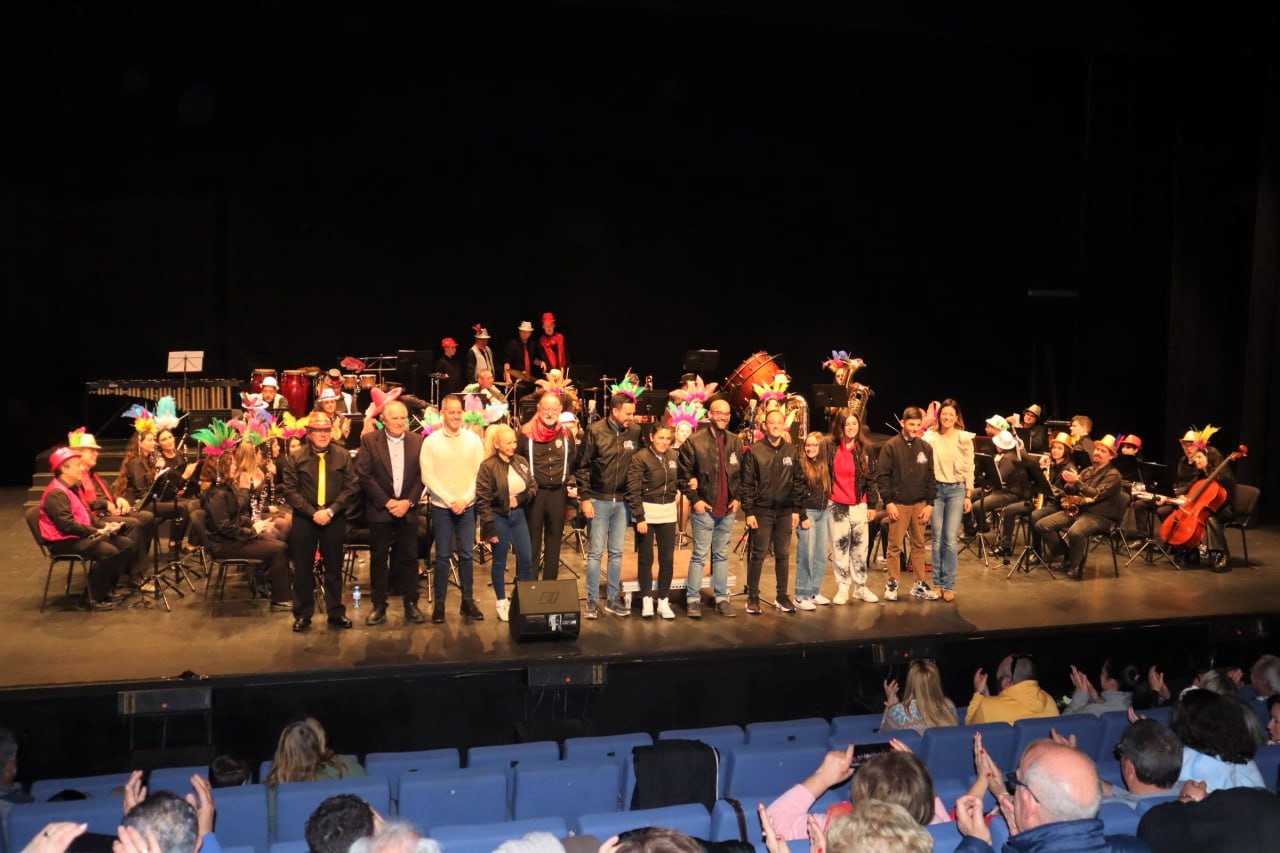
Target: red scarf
pixel 539 432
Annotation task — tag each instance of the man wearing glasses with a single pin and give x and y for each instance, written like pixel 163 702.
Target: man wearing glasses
pixel 1020 696
pixel 1053 805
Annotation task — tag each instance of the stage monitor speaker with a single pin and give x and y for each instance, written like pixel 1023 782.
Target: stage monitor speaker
pixel 545 610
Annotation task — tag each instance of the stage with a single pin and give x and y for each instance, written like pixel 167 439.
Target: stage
pixel 244 643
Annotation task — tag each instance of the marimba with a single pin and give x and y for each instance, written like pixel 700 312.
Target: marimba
pixel 192 395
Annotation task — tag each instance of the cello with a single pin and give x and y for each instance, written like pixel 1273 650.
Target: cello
pixel 1185 526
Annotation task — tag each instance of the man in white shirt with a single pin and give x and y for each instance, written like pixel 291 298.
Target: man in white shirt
pixel 449 460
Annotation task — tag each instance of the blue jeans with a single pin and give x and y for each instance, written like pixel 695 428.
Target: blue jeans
pixel 513 533
pixel 448 529
pixel 948 507
pixel 710 533
pixel 811 553
pixel 607 531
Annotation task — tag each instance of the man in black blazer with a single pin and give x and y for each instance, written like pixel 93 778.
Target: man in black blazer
pixel 319 519
pixel 392 484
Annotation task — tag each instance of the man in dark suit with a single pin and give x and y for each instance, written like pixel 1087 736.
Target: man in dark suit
pixel 319 482
pixel 391 480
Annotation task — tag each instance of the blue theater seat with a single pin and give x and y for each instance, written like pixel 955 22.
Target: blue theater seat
pixel 1086 727
pixel 806 730
pixel 948 751
pixel 772 769
pixel 26 821
pixel 691 819
pixel 567 789
pixel 242 817
pixel 433 797
pixel 393 764
pixel 96 787
pixel 295 801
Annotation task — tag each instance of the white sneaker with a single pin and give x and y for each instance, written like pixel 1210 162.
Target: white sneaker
pixel 821 599
pixel 504 610
pixel 664 609
pixel 891 591
pixel 922 590
pixel 646 607
pixel 864 594
pixel 805 604
pixel 842 594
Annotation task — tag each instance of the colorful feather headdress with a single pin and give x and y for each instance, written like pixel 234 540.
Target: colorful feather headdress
pixel 1202 437
pixel 627 387
pixel 841 359
pixel 292 427
pixel 775 392
pixel 252 403
pixel 143 421
pixel 699 393
pixel 218 438
pixel 473 411
pixel 429 422
pixel 684 413
pixel 167 414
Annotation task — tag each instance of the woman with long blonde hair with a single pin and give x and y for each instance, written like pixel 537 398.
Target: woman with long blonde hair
pixel 953 472
pixel 923 705
pixel 303 755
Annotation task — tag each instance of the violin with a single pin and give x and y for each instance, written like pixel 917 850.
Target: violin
pixel 1185 527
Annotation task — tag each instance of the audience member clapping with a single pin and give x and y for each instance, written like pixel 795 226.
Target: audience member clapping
pixel 1020 696
pixel 1054 805
pixel 1117 683
pixel 923 704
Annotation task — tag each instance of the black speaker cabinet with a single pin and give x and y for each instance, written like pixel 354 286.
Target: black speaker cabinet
pixel 545 610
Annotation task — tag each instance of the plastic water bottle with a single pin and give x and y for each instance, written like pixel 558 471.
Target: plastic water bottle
pixel 355 597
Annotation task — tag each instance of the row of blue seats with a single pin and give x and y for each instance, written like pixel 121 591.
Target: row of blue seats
pixel 1095 735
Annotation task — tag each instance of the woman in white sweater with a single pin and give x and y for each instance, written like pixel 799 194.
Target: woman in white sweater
pixel 953 471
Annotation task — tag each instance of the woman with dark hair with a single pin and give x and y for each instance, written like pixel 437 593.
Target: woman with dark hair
pixel 1217 744
pixel 953 472
pixel 1117 680
pixel 143 461
pixel 651 497
pixel 853 494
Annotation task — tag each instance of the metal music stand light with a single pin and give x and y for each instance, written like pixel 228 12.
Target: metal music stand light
pixel 1029 553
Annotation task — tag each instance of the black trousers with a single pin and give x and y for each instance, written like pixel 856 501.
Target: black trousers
pixel 772 535
pixel 393 558
pixel 274 555
pixel 140 529
pixel 1078 531
pixel 1008 518
pixel 665 537
pixel 111 555
pixel 545 517
pixel 304 538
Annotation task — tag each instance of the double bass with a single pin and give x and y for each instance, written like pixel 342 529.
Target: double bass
pixel 1185 526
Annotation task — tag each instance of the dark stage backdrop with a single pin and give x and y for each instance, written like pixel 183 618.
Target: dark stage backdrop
pixel 1002 210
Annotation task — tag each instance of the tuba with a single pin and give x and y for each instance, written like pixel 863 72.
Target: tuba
pixel 859 395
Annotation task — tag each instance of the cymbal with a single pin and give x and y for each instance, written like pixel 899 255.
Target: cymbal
pixel 520 374
pixel 592 390
pixel 438 375
pixel 503 384
pixel 608 379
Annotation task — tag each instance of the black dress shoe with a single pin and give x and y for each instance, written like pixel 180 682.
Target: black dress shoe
pixel 437 612
pixel 1076 574
pixel 340 622
pixel 470 609
pixel 413 614
pixel 301 624
pixel 377 617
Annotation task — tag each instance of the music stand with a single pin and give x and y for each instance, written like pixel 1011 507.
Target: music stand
pixel 1040 485
pixel 165 488
pixel 701 361
pixel 1128 466
pixel 1152 474
pixel 830 397
pixel 184 362
pixel 986 477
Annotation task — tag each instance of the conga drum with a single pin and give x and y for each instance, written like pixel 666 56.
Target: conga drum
pixel 368 380
pixel 757 370
pixel 296 388
pixel 348 382
pixel 259 374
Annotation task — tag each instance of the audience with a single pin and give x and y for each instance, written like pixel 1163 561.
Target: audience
pixel 227 771
pixel 896 777
pixel 11 793
pixel 923 703
pixel 1235 819
pixel 1054 806
pixel 394 837
pixel 1150 762
pixel 1117 683
pixel 303 755
pixel 878 827
pixel 648 840
pixel 1217 744
pixel 339 822
pixel 1273 719
pixel 1020 696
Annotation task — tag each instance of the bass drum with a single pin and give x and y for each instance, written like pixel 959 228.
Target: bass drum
pixel 794 407
pixel 757 370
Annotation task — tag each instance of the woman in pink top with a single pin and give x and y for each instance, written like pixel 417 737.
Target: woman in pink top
pixel 852 496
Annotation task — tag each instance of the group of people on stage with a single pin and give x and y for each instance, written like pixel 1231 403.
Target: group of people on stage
pixel 282 490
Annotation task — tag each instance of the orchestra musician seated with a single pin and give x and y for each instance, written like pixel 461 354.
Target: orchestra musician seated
pixel 1092 503
pixel 233 530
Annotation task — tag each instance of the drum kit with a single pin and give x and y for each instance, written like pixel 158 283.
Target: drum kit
pixel 760 369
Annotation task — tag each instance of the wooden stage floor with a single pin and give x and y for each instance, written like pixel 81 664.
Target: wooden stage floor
pixel 64 646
